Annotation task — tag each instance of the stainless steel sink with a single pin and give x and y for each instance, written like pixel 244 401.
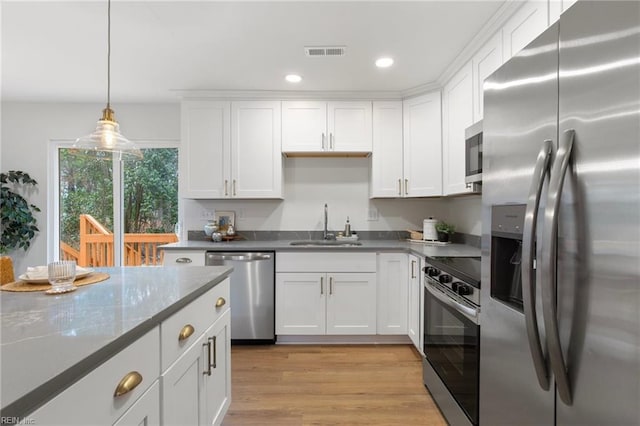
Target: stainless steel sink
pixel 325 243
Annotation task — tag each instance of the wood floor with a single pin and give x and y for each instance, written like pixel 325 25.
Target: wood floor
pixel 329 385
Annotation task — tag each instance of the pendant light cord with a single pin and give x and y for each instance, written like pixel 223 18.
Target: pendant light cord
pixel 109 54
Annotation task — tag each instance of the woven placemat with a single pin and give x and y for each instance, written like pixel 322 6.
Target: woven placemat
pixel 94 277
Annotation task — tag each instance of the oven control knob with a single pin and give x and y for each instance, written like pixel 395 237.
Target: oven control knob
pixel 445 279
pixel 454 286
pixel 431 271
pixel 464 290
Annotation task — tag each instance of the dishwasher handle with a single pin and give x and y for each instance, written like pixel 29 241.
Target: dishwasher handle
pixel 239 257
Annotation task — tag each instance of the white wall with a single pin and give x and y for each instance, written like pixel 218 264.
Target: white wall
pixel 464 212
pixel 28 128
pixel 309 183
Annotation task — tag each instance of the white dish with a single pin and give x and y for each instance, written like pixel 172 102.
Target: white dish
pixel 81 273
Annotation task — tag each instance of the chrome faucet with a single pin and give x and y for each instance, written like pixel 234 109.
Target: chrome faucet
pixel 326 234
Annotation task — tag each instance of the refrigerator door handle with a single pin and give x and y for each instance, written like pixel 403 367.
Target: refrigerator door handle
pixel 528 255
pixel 549 266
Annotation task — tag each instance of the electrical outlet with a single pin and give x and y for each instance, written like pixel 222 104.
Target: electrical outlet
pixel 372 214
pixel 207 214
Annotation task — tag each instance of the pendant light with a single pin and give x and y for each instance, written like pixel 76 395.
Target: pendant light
pixel 107 141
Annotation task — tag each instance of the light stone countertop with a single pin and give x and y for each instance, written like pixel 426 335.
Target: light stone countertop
pixel 49 342
pixel 420 249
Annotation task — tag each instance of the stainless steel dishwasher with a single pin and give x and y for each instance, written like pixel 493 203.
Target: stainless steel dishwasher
pixel 252 294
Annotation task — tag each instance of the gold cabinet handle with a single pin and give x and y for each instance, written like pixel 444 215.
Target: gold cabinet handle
pixel 406 187
pixel 186 331
pixel 220 302
pixel 226 188
pixel 128 383
pixel 214 340
pixel 207 372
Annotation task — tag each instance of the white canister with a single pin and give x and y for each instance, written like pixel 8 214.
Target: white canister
pixel 429 229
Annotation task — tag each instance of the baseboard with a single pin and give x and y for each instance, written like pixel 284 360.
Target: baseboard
pixel 343 340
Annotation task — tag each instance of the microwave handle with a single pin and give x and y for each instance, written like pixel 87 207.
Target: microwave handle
pixel 540 172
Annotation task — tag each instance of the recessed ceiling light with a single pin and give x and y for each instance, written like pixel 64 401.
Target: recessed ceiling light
pixel 384 62
pixel 293 78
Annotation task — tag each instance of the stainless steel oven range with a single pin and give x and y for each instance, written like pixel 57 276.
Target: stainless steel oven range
pixel 452 336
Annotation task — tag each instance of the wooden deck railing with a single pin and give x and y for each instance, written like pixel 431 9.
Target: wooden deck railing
pixel 96 246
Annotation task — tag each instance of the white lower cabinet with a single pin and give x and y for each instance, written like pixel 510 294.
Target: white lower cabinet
pixel 145 411
pixel 414 328
pixel 392 293
pixel 325 303
pixel 197 387
pixel 183 258
pixel 312 301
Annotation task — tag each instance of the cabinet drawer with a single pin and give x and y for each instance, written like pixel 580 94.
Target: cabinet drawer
pixel 91 400
pixel 194 319
pixel 326 262
pixel 183 258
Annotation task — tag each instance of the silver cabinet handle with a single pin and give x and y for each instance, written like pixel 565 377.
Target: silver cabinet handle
pixel 183 260
pixel 406 187
pixel 331 141
pixel 207 372
pixel 226 188
pixel 213 341
pixel 413 269
pixel 399 186
pixel 234 187
pixel 549 266
pixel 528 255
pixel 330 285
pixel 321 285
pixel 323 141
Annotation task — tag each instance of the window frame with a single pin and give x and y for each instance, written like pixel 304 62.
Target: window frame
pixel 53 196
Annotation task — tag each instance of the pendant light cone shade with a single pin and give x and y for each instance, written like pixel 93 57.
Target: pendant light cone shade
pixel 107 141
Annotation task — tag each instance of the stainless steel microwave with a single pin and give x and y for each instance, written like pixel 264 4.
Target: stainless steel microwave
pixel 473 153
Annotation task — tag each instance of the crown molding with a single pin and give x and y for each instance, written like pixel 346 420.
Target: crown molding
pixel 497 21
pixel 288 95
pixel 421 90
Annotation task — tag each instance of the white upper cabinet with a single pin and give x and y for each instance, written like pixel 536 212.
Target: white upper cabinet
pixel 485 62
pixel 525 25
pixel 558 7
pixel 321 127
pixel 231 150
pixel 422 124
pixel 256 157
pixel 387 171
pixel 205 149
pixel 457 116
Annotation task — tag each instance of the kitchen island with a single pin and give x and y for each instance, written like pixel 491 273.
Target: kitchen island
pixel 48 343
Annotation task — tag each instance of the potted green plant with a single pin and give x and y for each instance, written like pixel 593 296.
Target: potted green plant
pixel 19 225
pixel 445 231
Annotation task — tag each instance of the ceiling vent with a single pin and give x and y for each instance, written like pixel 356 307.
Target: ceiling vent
pixel 317 51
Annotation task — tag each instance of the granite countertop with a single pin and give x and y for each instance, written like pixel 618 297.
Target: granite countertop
pixel 420 249
pixel 49 342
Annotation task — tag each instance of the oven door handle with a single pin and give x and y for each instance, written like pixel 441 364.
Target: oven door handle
pixel 528 255
pixel 468 312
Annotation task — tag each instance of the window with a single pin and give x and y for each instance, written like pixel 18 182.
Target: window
pixel 110 213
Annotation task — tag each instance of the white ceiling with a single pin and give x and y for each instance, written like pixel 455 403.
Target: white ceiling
pixel 56 51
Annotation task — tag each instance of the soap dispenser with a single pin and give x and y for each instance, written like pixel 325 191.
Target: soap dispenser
pixel 347 228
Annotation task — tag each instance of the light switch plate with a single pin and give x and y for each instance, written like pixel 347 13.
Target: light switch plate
pixel 372 214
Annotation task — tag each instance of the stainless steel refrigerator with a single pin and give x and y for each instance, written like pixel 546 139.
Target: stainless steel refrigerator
pixel 560 320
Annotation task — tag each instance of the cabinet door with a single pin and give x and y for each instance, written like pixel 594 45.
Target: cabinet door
pixel 145 411
pixel 525 25
pixel 392 293
pixel 422 146
pixel 349 125
pixel 386 160
pixel 458 115
pixel 218 384
pixel 415 293
pixel 300 303
pixel 485 62
pixel 256 169
pixel 304 126
pixel 351 303
pixel 183 397
pixel 205 149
